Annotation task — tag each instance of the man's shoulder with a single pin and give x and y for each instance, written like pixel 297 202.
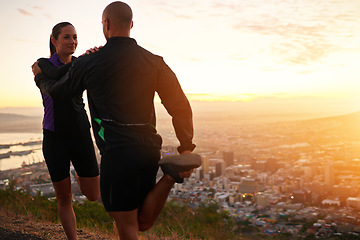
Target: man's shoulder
pixel 147 52
pixel 87 58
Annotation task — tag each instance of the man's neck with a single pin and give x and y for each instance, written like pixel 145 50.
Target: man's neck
pixel 119 33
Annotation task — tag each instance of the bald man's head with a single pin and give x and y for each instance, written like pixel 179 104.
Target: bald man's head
pixel 117 19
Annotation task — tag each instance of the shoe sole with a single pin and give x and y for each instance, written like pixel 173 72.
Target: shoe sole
pixel 188 160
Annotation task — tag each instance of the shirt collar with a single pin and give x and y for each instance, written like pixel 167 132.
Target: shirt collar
pixel 120 39
pixel 55 59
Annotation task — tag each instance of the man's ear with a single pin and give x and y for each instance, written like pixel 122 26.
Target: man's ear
pixel 107 23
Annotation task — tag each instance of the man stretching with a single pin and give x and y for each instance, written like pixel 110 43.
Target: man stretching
pixel 121 80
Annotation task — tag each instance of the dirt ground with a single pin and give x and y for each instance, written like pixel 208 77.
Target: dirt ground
pixel 14 226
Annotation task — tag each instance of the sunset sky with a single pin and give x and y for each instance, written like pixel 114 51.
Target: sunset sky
pixel 226 50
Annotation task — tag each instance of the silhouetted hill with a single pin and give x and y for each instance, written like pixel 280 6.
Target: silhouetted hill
pixel 344 126
pixel 327 130
pixel 19 123
pixel 351 119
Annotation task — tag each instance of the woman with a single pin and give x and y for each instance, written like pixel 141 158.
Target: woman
pixel 66 130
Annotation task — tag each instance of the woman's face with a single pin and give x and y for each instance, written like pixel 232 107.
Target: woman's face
pixel 67 41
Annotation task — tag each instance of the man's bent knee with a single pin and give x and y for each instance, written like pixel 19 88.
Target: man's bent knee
pixel 145 226
pixel 92 197
pixel 90 187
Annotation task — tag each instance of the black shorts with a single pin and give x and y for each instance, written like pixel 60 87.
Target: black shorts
pixel 127 175
pixel 59 150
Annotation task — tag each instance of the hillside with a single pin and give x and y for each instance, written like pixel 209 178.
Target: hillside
pixel 321 130
pixel 348 124
pixel 17 226
pixel 19 123
pixel 21 213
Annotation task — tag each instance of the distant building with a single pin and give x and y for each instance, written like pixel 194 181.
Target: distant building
pixel 219 168
pixel 45 189
pixel 222 197
pixel 271 165
pixel 301 196
pixel 344 191
pixel 308 173
pixel 262 200
pixel 228 157
pixel 200 174
pixel 259 165
pixel 248 186
pixel 329 175
pixel 316 187
pixel 211 176
pixel 331 202
pixel 234 198
pixel 205 163
pixel 353 202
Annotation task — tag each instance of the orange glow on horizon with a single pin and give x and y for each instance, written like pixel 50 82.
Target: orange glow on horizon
pixel 223 98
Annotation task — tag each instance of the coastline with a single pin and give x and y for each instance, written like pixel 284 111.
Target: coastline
pixel 19 149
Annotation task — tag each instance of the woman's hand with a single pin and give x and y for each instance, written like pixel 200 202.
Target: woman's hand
pixel 35 68
pixel 91 50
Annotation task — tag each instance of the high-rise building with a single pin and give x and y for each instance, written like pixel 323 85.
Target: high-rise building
pixel 219 168
pixel 211 176
pixel 308 173
pixel 228 157
pixel 329 175
pixel 199 174
pixel 205 163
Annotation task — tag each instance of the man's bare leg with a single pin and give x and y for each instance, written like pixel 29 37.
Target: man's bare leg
pixel 129 223
pixel 126 224
pixel 90 187
pixel 154 203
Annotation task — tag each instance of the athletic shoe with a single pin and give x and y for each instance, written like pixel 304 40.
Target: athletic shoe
pixel 173 165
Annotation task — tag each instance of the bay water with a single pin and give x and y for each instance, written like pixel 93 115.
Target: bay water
pixel 18 160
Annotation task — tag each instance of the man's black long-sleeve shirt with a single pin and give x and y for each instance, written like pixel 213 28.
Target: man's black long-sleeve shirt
pixel 121 80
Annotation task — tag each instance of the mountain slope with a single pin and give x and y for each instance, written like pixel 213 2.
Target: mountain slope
pixel 19 123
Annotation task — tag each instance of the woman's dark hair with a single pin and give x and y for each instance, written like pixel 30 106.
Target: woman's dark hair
pixel 55 34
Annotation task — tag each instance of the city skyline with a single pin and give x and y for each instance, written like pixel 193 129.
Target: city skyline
pixel 220 50
pixel 297 178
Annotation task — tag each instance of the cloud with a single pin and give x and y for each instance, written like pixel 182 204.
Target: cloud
pixel 294 43
pixel 48 16
pixel 294 33
pixel 37 7
pixel 183 16
pixel 184 10
pixel 23 12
